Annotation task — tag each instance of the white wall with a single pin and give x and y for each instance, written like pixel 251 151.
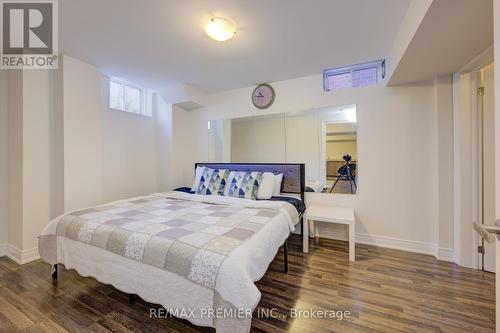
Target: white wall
pixel 15 157
pixel 128 152
pixel 83 150
pixel 181 137
pixel 164 158
pixel 29 161
pixel 189 142
pixel 56 141
pixel 444 115
pixel 108 154
pixel 36 156
pixel 396 125
pixel 4 151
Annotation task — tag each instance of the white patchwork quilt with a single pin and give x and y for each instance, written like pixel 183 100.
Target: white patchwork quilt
pixel 192 254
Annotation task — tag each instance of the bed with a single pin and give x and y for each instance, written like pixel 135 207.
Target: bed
pixel 196 255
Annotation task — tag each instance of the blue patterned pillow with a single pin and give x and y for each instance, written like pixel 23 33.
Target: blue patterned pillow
pixel 212 182
pixel 245 185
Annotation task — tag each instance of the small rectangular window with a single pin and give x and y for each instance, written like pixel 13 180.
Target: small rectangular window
pixel 354 76
pixel 339 81
pixel 132 99
pixel 116 95
pixel 126 97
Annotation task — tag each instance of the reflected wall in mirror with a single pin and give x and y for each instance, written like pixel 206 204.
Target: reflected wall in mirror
pixel 258 139
pixel 325 140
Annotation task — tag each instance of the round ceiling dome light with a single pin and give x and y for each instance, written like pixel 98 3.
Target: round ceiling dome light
pixel 220 29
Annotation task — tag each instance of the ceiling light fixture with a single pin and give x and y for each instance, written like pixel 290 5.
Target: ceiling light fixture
pixel 220 29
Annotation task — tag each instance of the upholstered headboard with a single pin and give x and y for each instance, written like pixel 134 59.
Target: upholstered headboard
pixel 293 173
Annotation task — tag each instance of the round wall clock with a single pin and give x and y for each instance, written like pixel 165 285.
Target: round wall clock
pixel 263 96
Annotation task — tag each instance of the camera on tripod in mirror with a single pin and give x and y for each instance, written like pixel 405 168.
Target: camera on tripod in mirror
pixel 347 172
pixel 347 157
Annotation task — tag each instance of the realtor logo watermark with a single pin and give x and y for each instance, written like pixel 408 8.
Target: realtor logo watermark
pixel 29 34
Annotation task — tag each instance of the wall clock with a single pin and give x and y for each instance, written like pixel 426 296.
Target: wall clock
pixel 263 96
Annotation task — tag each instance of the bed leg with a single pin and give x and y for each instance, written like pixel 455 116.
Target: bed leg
pixel 285 250
pixel 131 299
pixel 54 272
pixel 302 226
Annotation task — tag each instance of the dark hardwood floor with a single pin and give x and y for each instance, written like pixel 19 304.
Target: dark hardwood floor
pixel 384 290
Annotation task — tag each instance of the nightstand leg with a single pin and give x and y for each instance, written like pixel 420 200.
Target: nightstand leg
pixel 352 244
pixel 305 235
pixel 311 228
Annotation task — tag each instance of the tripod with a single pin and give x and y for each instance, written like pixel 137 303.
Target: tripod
pixel 346 172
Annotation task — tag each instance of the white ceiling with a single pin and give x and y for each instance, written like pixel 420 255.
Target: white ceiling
pixel 160 42
pixel 452 33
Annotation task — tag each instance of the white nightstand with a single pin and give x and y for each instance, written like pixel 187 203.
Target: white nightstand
pixel 330 214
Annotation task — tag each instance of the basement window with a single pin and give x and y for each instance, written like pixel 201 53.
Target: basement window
pixel 124 96
pixel 354 76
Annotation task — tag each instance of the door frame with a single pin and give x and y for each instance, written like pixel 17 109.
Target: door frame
pixel 466 150
pixel 483 149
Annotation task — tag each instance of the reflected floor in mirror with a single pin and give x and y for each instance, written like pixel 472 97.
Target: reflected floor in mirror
pixel 342 187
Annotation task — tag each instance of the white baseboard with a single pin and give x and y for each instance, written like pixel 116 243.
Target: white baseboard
pixel 396 243
pixel 22 256
pixel 444 254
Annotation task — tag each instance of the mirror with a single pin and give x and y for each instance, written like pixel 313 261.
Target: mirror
pixel 325 140
pixel 258 139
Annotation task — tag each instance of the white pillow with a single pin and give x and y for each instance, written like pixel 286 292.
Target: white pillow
pixel 197 177
pixel 277 184
pixel 266 187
